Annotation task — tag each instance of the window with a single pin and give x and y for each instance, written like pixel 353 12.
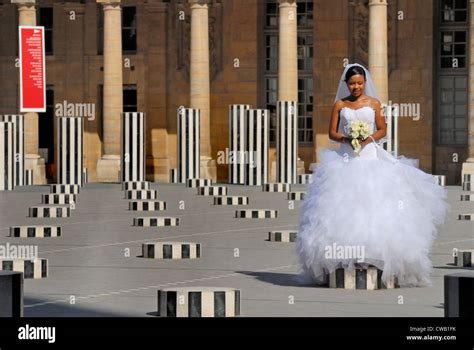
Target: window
pixel 453 11
pixel 45 19
pixel 453 110
pixel 305 67
pixel 129 29
pixel 453 49
pixel 130 98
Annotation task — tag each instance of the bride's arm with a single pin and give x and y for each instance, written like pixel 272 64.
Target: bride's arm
pixel 381 125
pixel 333 134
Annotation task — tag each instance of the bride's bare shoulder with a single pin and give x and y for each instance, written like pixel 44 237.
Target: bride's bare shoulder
pixel 374 102
pixel 338 104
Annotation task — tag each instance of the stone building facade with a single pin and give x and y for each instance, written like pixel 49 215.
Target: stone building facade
pixel 426 44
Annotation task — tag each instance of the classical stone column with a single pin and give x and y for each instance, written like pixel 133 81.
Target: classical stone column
pixel 108 167
pixel 287 52
pixel 468 165
pixel 200 82
pixel 27 17
pixel 378 47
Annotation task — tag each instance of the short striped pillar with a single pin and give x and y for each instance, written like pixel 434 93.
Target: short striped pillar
pixel 188 144
pixel 34 269
pixel 11 294
pixel 173 176
pixel 464 258
pixel 199 302
pixel 45 211
pixel 7 156
pixel 19 133
pixel 133 146
pixel 237 146
pixel 287 141
pixel 369 278
pixel 35 231
pixel 156 221
pixel 257 140
pixel 304 179
pixel 282 236
pixel 171 250
pixel 458 292
pixel 466 186
pixel 440 179
pixel 70 150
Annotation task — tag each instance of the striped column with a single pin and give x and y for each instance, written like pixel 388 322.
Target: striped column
pixel 257 145
pixel 188 144
pixel 19 125
pixel 287 141
pixel 7 156
pixel 237 146
pixel 70 150
pixel 133 146
pixel 391 117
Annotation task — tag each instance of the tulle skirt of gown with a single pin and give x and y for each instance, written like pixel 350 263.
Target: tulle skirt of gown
pixel 375 201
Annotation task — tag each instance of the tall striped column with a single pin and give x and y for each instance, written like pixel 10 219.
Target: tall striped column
pixel 237 147
pixel 257 144
pixel 133 146
pixel 287 141
pixel 19 126
pixel 70 150
pixel 7 156
pixel 188 143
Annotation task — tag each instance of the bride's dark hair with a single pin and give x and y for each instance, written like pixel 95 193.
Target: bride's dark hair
pixel 354 70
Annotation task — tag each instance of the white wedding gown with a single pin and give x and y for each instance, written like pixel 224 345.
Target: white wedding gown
pixel 371 200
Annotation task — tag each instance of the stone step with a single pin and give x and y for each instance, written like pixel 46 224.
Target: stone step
pixel 368 278
pixel 199 302
pixel 441 179
pixel 212 191
pixel 276 187
pixel 151 205
pixel 256 213
pixel 50 211
pixel 65 189
pixel 304 179
pixel 195 183
pixel 464 258
pixel 231 200
pixel 135 185
pixel 467 197
pixel 282 236
pixel 296 195
pixel 141 194
pixel 34 269
pixel 11 294
pixel 35 231
pixel 467 217
pixel 171 250
pixel 155 221
pixel 58 198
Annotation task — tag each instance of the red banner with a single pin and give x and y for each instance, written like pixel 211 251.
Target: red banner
pixel 32 69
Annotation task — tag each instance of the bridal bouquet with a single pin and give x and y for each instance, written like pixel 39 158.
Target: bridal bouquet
pixel 358 130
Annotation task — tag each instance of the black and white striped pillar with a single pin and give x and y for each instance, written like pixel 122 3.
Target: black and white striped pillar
pixel 257 145
pixel 19 138
pixel 28 177
pixel 35 269
pixel 133 146
pixel 70 150
pixel 237 146
pixel 199 302
pixel 287 141
pixel 188 143
pixel 11 294
pixel 7 156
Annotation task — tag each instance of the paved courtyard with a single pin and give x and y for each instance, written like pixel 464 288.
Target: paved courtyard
pixel 96 263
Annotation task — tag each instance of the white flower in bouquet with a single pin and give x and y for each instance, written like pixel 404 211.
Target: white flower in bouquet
pixel 358 129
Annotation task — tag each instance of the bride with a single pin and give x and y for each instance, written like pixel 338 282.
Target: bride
pixel 361 196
